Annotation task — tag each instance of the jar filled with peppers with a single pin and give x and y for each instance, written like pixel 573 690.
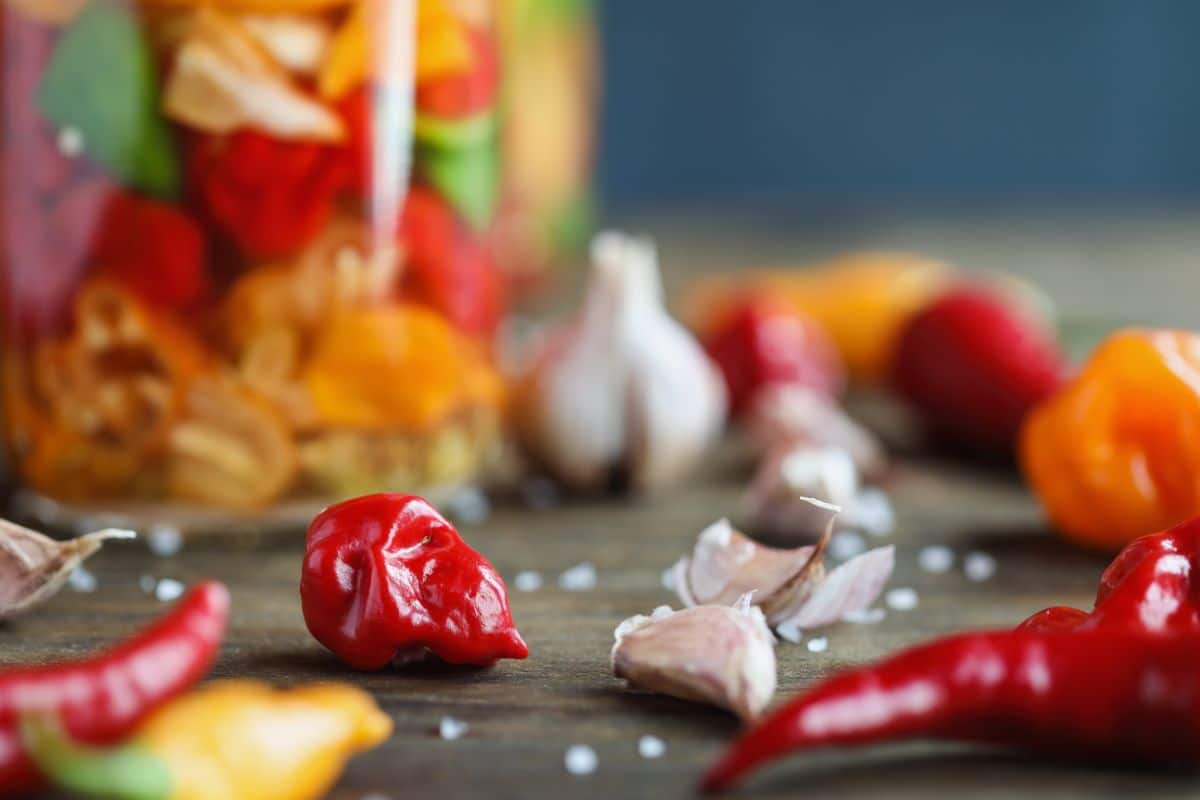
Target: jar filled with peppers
pixel 246 250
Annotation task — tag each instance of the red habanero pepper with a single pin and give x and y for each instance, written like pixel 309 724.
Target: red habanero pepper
pixel 761 343
pixel 459 95
pixel 1151 586
pixel 101 699
pixel 270 196
pixel 387 578
pixel 155 250
pixel 1078 695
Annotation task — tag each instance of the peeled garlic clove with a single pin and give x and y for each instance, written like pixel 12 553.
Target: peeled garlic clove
pixel 783 413
pixel 726 564
pixel 722 655
pixel 297 43
pixel 623 389
pixel 778 499
pixel 223 79
pixel 850 588
pixel 33 567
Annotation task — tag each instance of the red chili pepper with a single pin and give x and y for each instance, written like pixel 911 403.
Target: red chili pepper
pixel 973 368
pixel 761 343
pixel 270 196
pixel 463 94
pixel 386 578
pixel 1150 586
pixel 448 269
pixel 102 699
pixel 154 249
pixel 1115 695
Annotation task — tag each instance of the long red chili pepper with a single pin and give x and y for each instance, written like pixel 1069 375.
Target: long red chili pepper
pixel 1116 694
pixel 102 698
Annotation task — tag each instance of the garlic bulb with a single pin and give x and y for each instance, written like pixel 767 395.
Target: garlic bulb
pixel 790 586
pixel 723 655
pixel 792 475
pixel 624 388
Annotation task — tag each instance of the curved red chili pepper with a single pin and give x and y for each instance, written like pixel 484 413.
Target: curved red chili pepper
pixel 386 578
pixel 1149 586
pixel 102 698
pixel 1117 694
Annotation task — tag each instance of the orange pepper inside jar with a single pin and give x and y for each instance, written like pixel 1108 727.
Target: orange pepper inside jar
pixel 220 289
pixel 1115 454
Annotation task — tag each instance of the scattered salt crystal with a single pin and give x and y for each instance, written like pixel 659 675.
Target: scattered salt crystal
pixel 469 506
pixel 902 599
pixel 81 580
pixel 818 645
pixel 579 578
pixel 528 581
pixel 936 558
pixel 789 632
pixel 70 141
pixel 978 567
pixel 651 747
pixel 581 760
pixel 873 512
pixel 540 493
pixel 667 579
pixel 164 540
pixel 147 583
pixel 867 616
pixel 845 545
pixel 450 728
pixel 168 589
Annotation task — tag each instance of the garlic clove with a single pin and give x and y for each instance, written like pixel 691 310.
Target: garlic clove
pixel 716 654
pixel 791 474
pixel 33 567
pixel 624 388
pixel 790 586
pixel 726 564
pixel 223 79
pixel 786 413
pixel 296 42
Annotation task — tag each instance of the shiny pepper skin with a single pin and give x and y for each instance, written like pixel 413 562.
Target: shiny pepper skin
pixel 386 578
pixel 1152 585
pixel 1115 454
pixel 972 367
pixel 760 343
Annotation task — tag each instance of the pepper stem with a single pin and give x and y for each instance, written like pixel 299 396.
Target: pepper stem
pixel 124 772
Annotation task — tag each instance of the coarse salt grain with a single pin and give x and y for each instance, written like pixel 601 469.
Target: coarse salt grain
pixel 164 540
pixel 936 558
pixel 579 578
pixel 667 579
pixel 873 512
pixel 528 581
pixel 978 567
pixel 469 506
pixel 789 632
pixel 168 589
pixel 902 599
pixel 867 616
pixel 651 747
pixel 450 728
pixel 82 581
pixel 846 545
pixel 818 645
pixel 581 760
pixel 147 583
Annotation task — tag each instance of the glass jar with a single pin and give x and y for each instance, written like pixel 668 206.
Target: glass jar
pixel 551 83
pixel 246 253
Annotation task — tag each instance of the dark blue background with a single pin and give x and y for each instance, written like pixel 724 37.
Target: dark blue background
pixel 872 102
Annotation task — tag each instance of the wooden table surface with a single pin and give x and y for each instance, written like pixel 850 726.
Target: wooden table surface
pixel 523 715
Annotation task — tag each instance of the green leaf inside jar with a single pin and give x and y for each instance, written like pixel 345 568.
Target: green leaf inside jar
pixel 466 177
pixel 101 82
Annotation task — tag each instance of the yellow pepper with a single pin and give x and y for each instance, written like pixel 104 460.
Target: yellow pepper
pixel 442 47
pixel 230 740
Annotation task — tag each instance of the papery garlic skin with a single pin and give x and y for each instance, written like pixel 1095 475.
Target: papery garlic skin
pixel 33 567
pixel 727 564
pixel 722 655
pixel 624 389
pixel 793 414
